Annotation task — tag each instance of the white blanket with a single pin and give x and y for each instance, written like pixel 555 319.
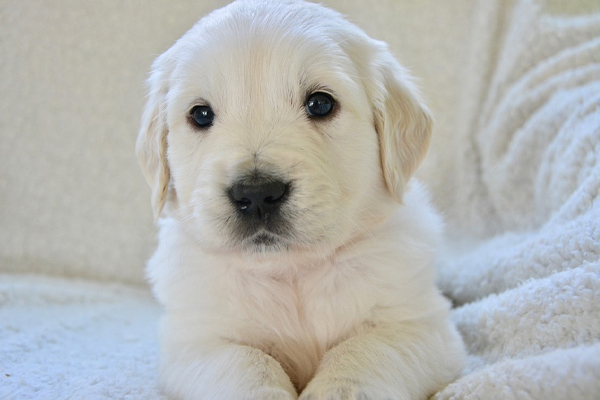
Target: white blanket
pixel 527 177
pixel 72 339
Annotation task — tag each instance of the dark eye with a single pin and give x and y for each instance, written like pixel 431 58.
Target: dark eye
pixel 319 104
pixel 202 116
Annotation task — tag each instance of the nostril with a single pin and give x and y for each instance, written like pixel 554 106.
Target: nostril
pixel 259 199
pixel 271 199
pixel 243 203
pixel 276 191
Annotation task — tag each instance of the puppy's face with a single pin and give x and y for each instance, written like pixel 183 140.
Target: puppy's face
pixel 276 127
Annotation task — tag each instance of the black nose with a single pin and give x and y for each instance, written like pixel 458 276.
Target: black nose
pixel 259 199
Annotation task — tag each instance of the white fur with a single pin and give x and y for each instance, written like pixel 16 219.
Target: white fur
pixel 342 307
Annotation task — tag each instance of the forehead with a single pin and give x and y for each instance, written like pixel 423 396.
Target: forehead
pixel 261 51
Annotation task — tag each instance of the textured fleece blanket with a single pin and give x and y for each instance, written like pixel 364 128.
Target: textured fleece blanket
pixel 72 339
pixel 528 295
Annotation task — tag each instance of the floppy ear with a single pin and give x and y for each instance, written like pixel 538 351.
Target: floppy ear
pixel 151 145
pixel 403 124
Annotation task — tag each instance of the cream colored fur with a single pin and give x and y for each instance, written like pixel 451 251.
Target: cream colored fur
pixel 344 306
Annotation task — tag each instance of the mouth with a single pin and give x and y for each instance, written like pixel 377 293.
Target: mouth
pixel 265 241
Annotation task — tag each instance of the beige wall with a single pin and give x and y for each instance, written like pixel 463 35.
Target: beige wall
pixel 72 199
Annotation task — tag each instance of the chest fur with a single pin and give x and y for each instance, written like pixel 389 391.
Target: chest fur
pixel 297 319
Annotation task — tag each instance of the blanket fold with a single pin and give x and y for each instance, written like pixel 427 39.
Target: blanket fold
pixel 528 292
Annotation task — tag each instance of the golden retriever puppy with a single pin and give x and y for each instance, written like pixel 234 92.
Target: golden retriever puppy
pixel 295 256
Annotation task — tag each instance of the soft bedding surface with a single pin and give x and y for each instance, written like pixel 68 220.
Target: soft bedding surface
pixel 73 339
pixel 527 179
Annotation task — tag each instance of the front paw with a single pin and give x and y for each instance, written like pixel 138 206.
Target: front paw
pixel 347 390
pixel 337 393
pixel 270 393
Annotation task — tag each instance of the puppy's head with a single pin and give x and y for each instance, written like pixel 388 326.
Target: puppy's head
pixel 278 126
